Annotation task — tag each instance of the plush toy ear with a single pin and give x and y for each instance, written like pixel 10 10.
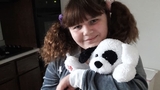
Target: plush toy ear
pixel 85 54
pixel 130 54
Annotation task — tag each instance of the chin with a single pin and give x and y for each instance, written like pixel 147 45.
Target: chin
pixel 93 45
pixel 90 45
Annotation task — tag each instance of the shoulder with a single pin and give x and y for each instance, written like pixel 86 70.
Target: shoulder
pixel 140 69
pixel 57 67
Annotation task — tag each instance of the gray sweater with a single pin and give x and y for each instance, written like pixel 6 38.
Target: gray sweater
pixel 93 81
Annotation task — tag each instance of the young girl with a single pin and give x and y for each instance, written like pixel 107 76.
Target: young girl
pixel 85 23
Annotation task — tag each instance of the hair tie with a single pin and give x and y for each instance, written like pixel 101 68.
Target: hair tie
pixel 60 18
pixel 109 3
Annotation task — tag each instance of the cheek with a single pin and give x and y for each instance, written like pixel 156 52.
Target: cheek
pixel 104 31
pixel 76 36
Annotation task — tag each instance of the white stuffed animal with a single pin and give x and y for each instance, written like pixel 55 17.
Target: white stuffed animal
pixel 114 57
pixel 72 63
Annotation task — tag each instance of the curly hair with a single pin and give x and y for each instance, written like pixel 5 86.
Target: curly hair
pixel 58 40
pixel 57 43
pixel 122 24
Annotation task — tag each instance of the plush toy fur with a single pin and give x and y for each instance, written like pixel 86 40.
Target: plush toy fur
pixel 72 63
pixel 111 56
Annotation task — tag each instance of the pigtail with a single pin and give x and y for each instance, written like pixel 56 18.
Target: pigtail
pixel 122 25
pixel 57 43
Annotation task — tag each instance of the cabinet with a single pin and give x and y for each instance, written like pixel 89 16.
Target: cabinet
pixel 8 80
pixel 17 20
pixel 21 74
pixel 10 85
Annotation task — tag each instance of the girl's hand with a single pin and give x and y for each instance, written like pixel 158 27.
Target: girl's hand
pixel 64 84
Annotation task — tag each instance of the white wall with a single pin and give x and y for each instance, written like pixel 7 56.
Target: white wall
pixel 147 14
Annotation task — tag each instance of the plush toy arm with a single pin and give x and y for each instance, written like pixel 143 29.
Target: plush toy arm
pixel 69 62
pixel 124 73
pixel 72 63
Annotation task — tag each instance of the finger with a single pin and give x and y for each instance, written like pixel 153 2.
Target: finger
pixel 70 89
pixel 60 87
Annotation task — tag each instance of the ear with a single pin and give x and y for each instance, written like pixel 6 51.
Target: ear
pixel 84 56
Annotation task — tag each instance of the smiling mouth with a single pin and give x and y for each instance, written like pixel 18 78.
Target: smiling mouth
pixel 90 39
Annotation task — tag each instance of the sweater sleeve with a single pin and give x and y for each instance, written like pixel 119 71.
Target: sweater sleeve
pixel 55 71
pixel 95 81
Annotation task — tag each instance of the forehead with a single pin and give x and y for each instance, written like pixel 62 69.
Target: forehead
pixel 77 20
pixel 88 18
pixel 77 11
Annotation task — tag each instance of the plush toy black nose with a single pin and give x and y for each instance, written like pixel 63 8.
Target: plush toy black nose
pixel 98 64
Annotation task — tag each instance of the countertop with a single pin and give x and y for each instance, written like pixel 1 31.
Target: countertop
pixel 18 56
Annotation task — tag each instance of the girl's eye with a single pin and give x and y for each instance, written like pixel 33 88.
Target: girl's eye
pixel 77 27
pixel 93 21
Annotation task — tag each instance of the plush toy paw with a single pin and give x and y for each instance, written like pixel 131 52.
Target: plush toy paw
pixel 124 72
pixel 72 63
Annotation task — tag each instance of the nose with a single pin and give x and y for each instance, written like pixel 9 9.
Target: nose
pixel 87 30
pixel 98 64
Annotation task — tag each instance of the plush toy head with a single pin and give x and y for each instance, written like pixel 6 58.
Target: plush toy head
pixel 106 56
pixel 114 57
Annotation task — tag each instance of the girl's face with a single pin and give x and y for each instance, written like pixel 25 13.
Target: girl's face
pixel 91 32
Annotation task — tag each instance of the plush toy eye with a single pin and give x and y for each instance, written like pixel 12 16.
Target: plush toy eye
pixel 96 55
pixel 106 58
pixel 110 56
